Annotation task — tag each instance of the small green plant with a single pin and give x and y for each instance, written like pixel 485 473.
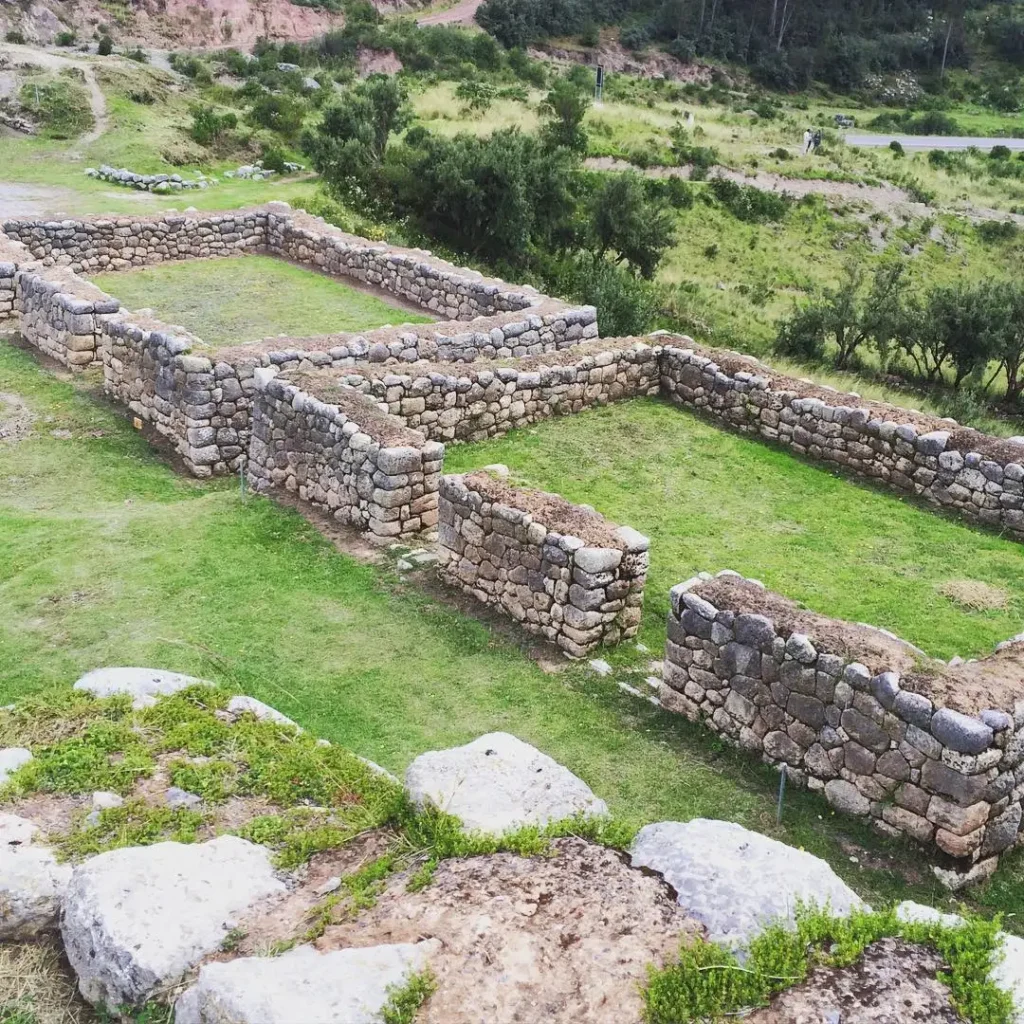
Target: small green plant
pixel 65 38
pixel 404 1001
pixel 134 823
pixel 896 147
pixel 14 36
pixel 708 982
pixel 233 940
pixel 139 55
pixel 105 46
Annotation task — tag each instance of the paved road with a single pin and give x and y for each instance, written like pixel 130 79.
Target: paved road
pixel 933 141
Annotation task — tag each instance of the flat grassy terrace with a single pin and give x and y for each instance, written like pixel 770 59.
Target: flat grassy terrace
pixel 711 500
pixel 244 298
pixel 107 557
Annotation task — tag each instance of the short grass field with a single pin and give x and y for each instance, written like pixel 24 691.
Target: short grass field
pixel 712 500
pixel 108 557
pixel 244 298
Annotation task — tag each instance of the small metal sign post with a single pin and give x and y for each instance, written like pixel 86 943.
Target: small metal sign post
pixel 599 87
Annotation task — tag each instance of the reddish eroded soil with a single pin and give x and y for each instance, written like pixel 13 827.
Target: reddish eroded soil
pixel 892 983
pixel 550 509
pixel 566 938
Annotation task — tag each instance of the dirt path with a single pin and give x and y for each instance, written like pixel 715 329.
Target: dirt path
pixel 462 13
pixel 57 62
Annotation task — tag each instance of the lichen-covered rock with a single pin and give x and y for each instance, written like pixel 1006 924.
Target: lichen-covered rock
pixel 32 883
pixel 144 685
pixel 240 705
pixel 349 985
pixel 736 881
pixel 138 918
pixel 498 783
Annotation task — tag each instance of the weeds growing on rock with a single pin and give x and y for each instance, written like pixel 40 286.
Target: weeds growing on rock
pixel 134 823
pixel 709 983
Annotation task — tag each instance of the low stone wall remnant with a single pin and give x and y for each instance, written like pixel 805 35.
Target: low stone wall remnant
pixel 922 749
pixel 342 455
pixel 979 476
pixel 560 570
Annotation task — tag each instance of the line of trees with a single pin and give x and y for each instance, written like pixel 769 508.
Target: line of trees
pixel 967 333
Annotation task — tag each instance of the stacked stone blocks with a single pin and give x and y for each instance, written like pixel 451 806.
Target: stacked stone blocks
pixel 516 554
pixel 875 746
pixel 355 464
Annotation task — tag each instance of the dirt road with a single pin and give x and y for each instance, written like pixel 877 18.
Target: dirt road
pixel 462 13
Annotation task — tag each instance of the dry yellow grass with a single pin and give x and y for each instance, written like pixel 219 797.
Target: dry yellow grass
pixel 974 594
pixel 36 987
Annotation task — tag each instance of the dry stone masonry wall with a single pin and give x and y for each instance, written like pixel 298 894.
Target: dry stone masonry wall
pixel 344 457
pixel 980 477
pixel 558 569
pixel 854 712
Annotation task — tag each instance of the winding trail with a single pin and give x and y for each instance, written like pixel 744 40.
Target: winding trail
pixel 57 62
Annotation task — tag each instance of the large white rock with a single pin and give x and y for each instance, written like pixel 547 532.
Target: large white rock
pixel 497 783
pixel 11 759
pixel 144 685
pixel 1007 974
pixel 32 883
pixel 347 985
pixel 139 917
pixel 735 881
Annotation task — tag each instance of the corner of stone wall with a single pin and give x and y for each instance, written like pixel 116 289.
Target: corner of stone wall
pixel 575 595
pixel 875 749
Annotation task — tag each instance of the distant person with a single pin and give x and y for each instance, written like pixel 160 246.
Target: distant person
pixel 817 139
pixel 808 140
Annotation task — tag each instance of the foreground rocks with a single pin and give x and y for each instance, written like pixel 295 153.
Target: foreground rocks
pixel 735 881
pixel 563 939
pixel 348 985
pixel 32 883
pixel 143 685
pixel 498 783
pixel 138 918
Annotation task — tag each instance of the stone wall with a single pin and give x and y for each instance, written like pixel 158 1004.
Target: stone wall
pixel 489 398
pixel 200 405
pixel 921 748
pixel 7 272
pixel 60 314
pixel 978 476
pixel 342 455
pixel 558 569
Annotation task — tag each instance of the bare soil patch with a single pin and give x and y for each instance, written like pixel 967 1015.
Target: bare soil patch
pixel 892 983
pixel 377 62
pixel 565 938
pixel 15 417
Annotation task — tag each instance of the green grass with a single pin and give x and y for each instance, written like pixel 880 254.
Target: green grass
pixel 109 558
pixel 712 500
pixel 230 301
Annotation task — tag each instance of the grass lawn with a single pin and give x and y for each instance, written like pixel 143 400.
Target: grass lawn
pixel 712 500
pixel 107 557
pixel 229 301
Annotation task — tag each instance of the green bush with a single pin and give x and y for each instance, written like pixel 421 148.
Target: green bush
pixel 282 114
pixel 105 46
pixel 1000 153
pixel 14 36
pixel 747 203
pixel 897 147
pixel 66 38
pixel 138 54
pixel 208 126
pixel 273 159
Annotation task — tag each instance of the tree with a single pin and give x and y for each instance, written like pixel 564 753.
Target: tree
pixel 566 104
pixel 1007 333
pixel 629 224
pixel 849 316
pixel 959 329
pixel 349 144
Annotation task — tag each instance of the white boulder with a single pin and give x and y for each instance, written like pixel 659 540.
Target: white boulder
pixel 11 759
pixel 1008 972
pixel 138 918
pixel 144 685
pixel 735 881
pixel 238 706
pixel 349 985
pixel 498 783
pixel 32 883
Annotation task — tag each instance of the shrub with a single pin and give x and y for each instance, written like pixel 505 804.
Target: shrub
pixel 66 38
pixel 1000 153
pixel 897 147
pixel 747 203
pixel 139 55
pixel 14 36
pixel 105 46
pixel 781 154
pixel 208 126
pixel 61 107
pixel 590 36
pixel 994 231
pixel 282 114
pixel 273 159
